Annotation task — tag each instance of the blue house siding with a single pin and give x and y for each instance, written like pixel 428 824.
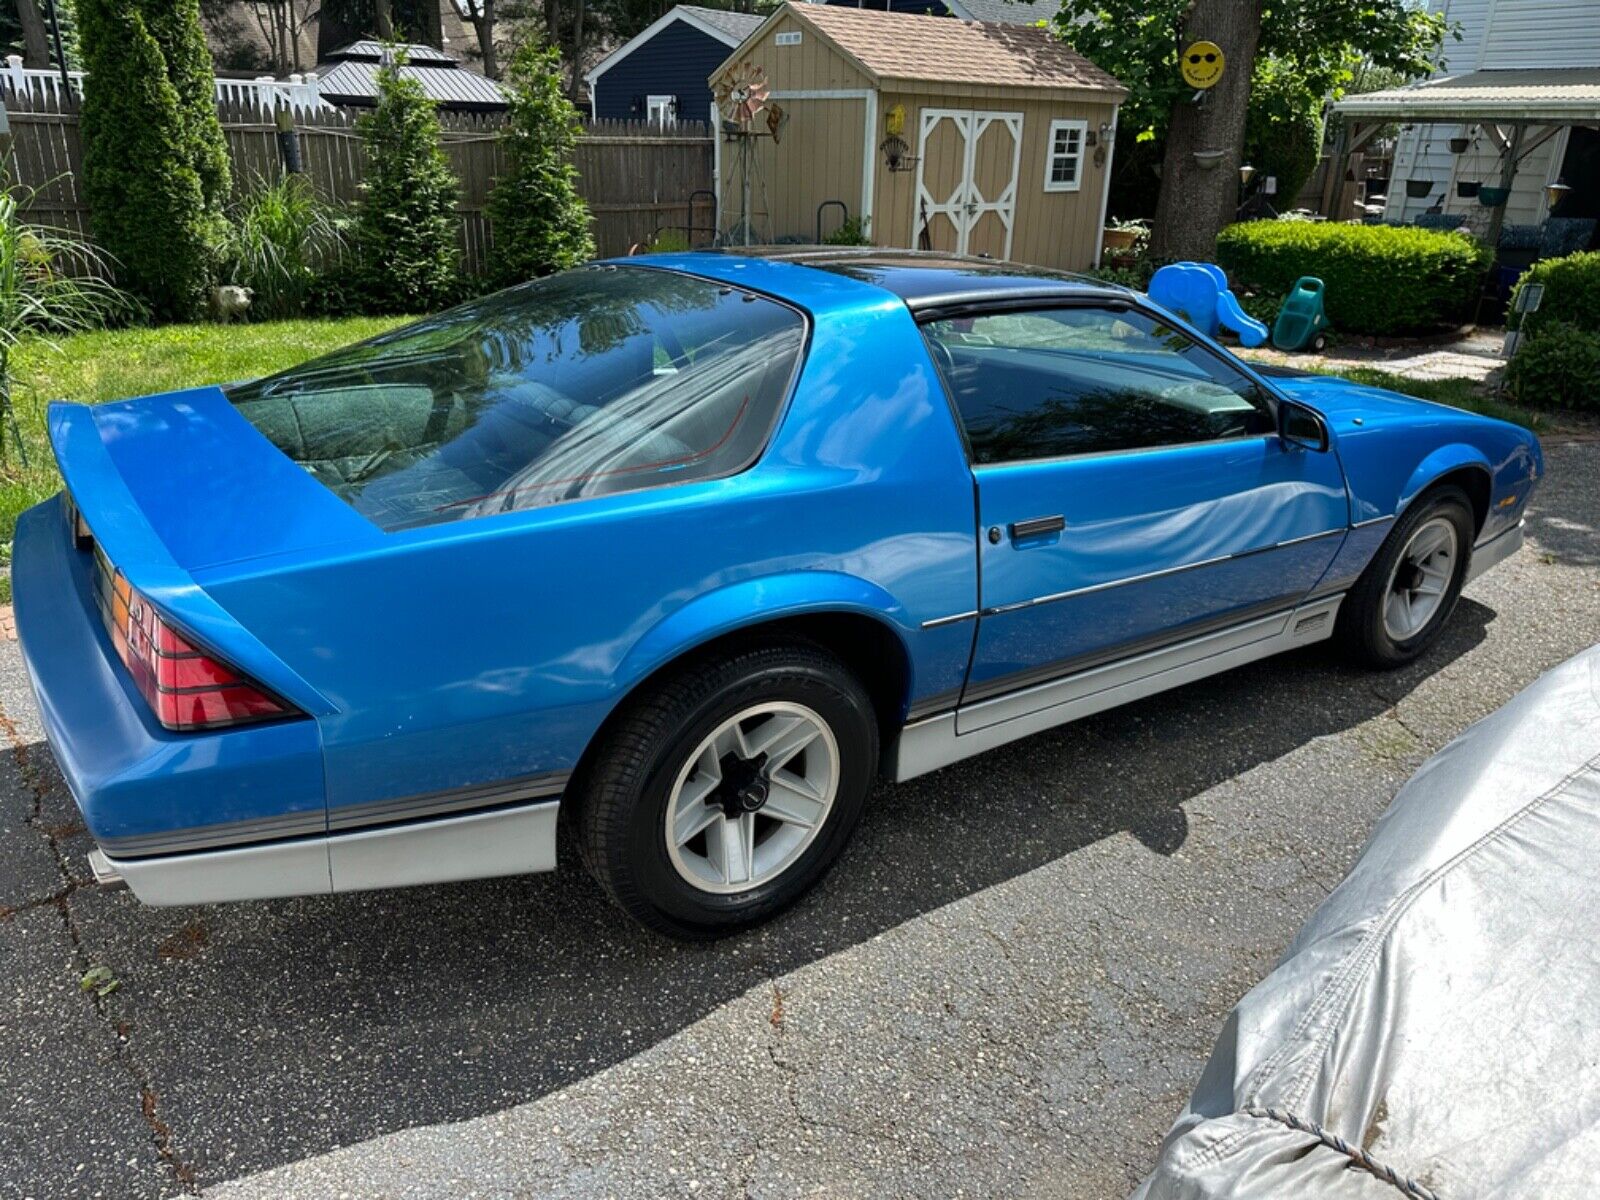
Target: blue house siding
pixel 676 62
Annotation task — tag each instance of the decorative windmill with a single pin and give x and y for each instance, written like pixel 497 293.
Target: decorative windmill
pixel 742 97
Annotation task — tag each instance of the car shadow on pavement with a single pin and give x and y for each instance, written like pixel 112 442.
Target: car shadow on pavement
pixel 264 1033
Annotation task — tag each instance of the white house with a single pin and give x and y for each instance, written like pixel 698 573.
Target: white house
pixel 1523 85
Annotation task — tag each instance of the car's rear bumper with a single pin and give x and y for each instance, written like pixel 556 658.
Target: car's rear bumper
pixel 143 790
pixel 236 814
pixel 1495 551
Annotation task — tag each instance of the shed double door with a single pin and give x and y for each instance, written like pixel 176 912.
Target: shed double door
pixel 967 164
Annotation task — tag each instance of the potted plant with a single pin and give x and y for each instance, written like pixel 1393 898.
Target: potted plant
pixel 1493 197
pixel 1419 189
pixel 1121 236
pixel 1460 145
pixel 1467 188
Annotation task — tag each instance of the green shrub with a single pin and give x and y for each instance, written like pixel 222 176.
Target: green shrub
pixel 151 208
pixel 1557 365
pixel 406 228
pixel 1571 292
pixel 852 231
pixel 1381 279
pixel 175 25
pixel 281 237
pixel 1283 131
pixel 540 222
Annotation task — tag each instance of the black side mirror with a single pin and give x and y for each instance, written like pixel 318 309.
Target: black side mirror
pixel 1299 426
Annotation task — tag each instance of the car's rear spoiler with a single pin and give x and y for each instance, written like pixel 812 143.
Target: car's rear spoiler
pixel 124 533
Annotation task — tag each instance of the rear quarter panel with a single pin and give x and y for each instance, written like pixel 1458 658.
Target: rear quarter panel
pixel 493 648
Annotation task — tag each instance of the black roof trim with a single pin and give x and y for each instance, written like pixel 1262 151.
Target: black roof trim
pixel 928 280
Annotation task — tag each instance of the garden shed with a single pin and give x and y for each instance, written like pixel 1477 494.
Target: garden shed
pixel 934 133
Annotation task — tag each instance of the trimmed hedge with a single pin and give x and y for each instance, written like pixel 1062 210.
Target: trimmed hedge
pixel 1557 366
pixel 1381 280
pixel 1571 292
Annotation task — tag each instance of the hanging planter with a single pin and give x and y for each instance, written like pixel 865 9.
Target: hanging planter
pixel 1419 189
pixel 1467 188
pixel 1460 145
pixel 1493 197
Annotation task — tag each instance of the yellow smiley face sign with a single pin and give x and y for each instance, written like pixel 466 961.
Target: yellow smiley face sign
pixel 1202 65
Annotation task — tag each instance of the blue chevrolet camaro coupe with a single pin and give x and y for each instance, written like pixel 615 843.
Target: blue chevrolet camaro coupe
pixel 681 553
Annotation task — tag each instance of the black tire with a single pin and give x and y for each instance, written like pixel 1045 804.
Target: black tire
pixel 1361 628
pixel 623 796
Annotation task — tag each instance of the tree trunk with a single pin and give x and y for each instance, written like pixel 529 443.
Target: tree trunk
pixel 483 26
pixel 1196 200
pixel 481 15
pixel 382 20
pixel 433 23
pixel 35 35
pixel 285 38
pixel 579 40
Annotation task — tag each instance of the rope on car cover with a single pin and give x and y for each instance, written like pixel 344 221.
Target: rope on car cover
pixel 1359 1157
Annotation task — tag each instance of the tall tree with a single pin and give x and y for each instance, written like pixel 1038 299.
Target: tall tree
pixel 482 16
pixel 406 226
pixel 146 197
pixel 283 24
pixel 540 222
pixel 1319 40
pixel 175 25
pixel 35 35
pixel 1199 189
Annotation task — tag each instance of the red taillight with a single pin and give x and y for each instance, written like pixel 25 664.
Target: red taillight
pixel 186 688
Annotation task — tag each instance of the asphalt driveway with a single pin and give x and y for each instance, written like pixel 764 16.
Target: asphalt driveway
pixel 1007 987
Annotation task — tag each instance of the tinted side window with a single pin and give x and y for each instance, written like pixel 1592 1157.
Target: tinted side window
pixel 1087 381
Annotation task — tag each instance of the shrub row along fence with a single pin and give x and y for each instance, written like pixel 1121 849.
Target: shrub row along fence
pixel 636 177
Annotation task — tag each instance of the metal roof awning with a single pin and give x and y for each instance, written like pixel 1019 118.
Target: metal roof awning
pixel 356 83
pixel 1551 95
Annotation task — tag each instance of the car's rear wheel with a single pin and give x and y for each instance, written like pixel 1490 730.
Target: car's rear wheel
pixel 1403 599
pixel 726 790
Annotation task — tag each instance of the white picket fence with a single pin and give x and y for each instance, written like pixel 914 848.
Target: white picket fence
pixel 298 93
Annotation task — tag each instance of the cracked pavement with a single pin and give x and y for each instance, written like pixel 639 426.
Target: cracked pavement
pixel 1007 987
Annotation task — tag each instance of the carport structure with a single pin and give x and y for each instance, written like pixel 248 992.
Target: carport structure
pixel 1517 113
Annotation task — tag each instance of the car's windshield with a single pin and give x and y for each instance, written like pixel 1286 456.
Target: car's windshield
pixel 595 381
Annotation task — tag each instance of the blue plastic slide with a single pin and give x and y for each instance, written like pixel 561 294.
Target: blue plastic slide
pixel 1198 292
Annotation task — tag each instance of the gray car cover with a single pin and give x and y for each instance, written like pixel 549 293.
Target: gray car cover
pixel 1434 1029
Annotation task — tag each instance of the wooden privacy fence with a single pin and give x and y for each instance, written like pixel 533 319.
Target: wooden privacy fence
pixel 636 177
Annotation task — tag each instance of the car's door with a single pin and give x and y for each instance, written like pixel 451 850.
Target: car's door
pixel 1132 489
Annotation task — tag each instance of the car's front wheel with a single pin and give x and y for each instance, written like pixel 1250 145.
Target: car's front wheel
pixel 1407 593
pixel 725 791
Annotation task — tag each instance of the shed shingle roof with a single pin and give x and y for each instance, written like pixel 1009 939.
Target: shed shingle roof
pixel 893 45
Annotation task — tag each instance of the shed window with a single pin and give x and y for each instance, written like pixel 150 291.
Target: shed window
pixel 1063 164
pixel 662 110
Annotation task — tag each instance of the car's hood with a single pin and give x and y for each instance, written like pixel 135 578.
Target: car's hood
pixel 183 476
pixel 1346 403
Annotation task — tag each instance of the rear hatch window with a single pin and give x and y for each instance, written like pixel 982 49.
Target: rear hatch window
pixel 596 381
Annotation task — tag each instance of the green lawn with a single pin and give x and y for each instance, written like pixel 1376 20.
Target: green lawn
pixel 95 367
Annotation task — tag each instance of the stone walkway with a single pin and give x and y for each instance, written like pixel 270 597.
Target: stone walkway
pixel 1475 356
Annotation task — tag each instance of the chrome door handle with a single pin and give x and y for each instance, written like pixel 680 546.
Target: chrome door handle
pixel 1037 527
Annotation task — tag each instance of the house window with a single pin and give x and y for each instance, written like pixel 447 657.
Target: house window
pixel 1063 163
pixel 662 110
